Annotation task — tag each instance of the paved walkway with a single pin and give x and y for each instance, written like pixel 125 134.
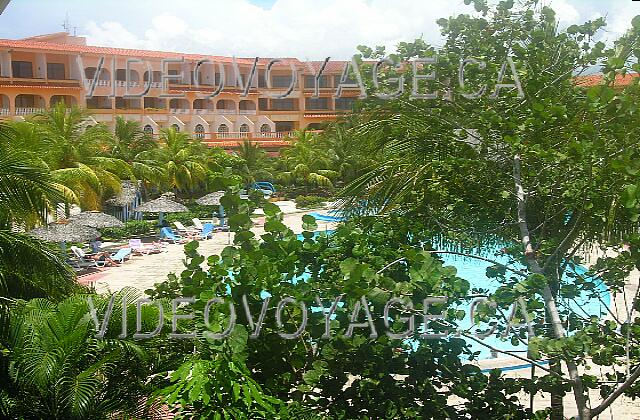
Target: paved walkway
pixel 142 272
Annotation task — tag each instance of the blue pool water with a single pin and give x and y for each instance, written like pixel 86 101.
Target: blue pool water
pixel 474 271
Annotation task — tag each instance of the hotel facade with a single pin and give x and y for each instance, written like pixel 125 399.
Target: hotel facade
pixel 160 90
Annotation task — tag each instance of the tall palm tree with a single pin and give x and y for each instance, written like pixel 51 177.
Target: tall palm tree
pixel 308 161
pixel 127 143
pixel 182 159
pixel 72 151
pixel 255 165
pixel 27 192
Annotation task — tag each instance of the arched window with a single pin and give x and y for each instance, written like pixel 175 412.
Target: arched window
pixel 264 128
pixel 175 127
pixel 244 128
pixel 222 128
pixel 148 130
pixel 199 131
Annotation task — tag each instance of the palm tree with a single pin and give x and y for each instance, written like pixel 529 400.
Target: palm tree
pixel 127 143
pixel 27 192
pixel 309 161
pixel 72 151
pixel 60 370
pixel 254 167
pixel 182 159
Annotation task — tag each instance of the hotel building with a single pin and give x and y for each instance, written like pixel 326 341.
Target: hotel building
pixel 40 71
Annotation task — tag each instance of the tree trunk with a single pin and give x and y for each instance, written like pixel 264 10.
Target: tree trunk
pixel 557 407
pixel 548 296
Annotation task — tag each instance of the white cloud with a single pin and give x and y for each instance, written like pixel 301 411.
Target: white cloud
pixel 309 29
pixel 302 28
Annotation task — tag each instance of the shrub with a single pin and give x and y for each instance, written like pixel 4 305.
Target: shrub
pixel 309 201
pixel 130 229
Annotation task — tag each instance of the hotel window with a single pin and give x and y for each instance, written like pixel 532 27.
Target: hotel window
pixel 199 131
pixel 264 128
pixel 349 81
pixel 284 126
pixel 222 128
pixel 280 81
pixel 283 105
pixel 345 104
pixel 22 69
pixel 148 130
pixel 55 71
pixel 244 128
pixel 309 82
pixel 321 104
pixel 176 127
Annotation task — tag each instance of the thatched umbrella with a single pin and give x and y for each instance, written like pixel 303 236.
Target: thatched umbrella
pixel 161 205
pixel 96 220
pixel 65 231
pixel 213 199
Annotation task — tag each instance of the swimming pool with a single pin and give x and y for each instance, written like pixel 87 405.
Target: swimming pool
pixel 474 271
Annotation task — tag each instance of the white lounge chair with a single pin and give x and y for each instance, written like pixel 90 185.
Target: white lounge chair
pixel 197 224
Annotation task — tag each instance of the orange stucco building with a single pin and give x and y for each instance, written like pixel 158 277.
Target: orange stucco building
pixel 39 71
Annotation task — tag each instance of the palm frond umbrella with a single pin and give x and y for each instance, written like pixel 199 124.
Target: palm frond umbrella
pixel 161 205
pixel 213 199
pixel 65 231
pixel 96 220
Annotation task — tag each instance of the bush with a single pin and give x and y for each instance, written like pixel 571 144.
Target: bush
pixel 309 201
pixel 131 228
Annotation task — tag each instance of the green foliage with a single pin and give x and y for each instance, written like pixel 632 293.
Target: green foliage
pixel 309 201
pixel 131 229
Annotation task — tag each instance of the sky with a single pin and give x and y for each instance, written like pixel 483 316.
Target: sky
pixel 306 29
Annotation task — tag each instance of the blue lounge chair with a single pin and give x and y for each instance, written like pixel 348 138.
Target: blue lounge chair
pixel 167 233
pixel 121 255
pixel 207 231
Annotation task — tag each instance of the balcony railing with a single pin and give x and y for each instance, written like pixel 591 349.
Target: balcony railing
pixel 179 111
pixel 203 111
pixel 4 112
pixel 226 111
pixel 123 83
pixel 248 112
pixel 29 111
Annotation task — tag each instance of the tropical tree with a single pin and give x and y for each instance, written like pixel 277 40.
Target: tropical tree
pixel 255 166
pixel 72 151
pixel 546 167
pixel 182 159
pixel 127 143
pixel 60 370
pixel 28 194
pixel 307 161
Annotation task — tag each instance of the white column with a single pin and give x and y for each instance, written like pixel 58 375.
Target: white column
pixel 40 66
pixel 5 64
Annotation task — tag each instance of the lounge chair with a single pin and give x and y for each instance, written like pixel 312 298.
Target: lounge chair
pixel 182 229
pixel 207 231
pixel 122 255
pixel 82 259
pixel 167 234
pixel 197 224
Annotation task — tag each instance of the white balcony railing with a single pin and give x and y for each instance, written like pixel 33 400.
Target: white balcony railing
pixel 226 111
pixel 28 111
pixel 103 83
pixel 247 112
pixel 203 111
pixel 122 83
pixel 4 112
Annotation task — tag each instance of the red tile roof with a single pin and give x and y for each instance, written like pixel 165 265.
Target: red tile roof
pixel 596 79
pixel 32 44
